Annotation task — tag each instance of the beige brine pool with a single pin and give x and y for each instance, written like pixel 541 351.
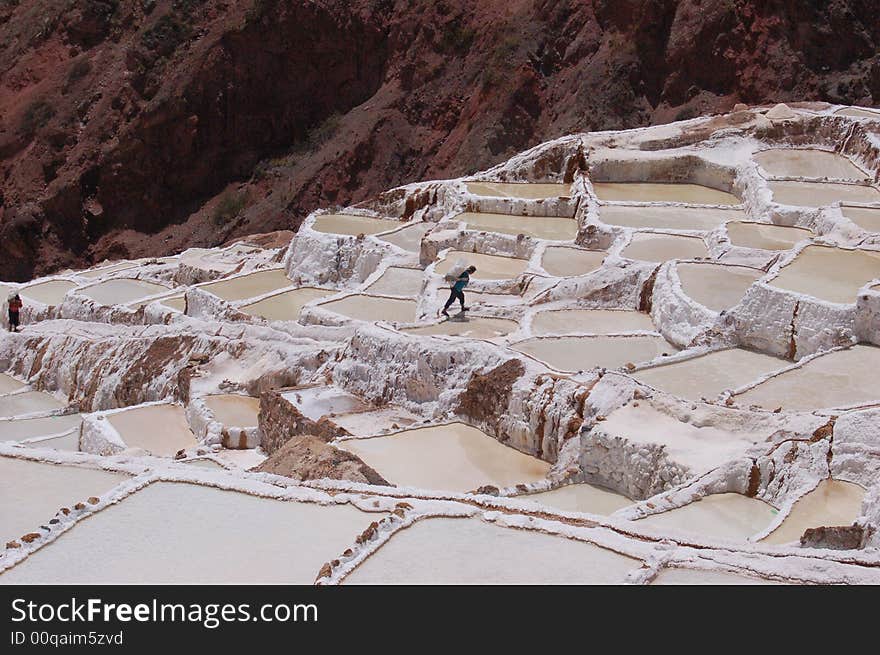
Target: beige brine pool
pixel 540 227
pixel 571 354
pixel 285 306
pixel 397 281
pixel 234 410
pixel 159 429
pixel 250 285
pixel 122 291
pixel 489 267
pixel 561 261
pixel 659 192
pixel 48 293
pixel 663 247
pixel 467 325
pixel 867 218
pixel 408 238
pixel 722 516
pixel 28 402
pixel 831 503
pixel 821 194
pixel 590 321
pixel 765 236
pixel 586 498
pixel 519 190
pixel 832 274
pixel 362 307
pixel 352 225
pixel 668 218
pixel 716 286
pixel 796 162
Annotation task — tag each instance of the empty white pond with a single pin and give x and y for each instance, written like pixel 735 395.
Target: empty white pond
pixel 519 190
pixel 857 112
pixel 177 533
pixel 363 424
pixel 540 227
pixel 48 293
pixel 373 308
pixel 821 194
pixel 663 247
pixel 837 379
pixel 473 327
pixel 471 551
pixel 122 291
pixel 315 402
pixel 831 274
pixel 795 162
pixel 31 428
pixel 658 192
pixel 667 218
pixel 708 375
pixel 396 281
pixel 28 402
pixel 572 354
pixel 764 236
pixel 160 429
pixel 679 576
pixel 454 457
pixel 234 410
pixel 249 286
pixel 590 321
pixel 715 286
pixel 561 261
pixel 722 516
pixel 352 225
pixel 408 238
pixel 9 384
pixel 489 267
pixel 285 306
pixel 98 272
pixel 586 498
pixel 832 503
pixel 31 493
pixel 867 218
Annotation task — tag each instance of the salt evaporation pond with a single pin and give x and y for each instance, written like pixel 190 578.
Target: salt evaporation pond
pixel 856 112
pixel 68 442
pixel 679 576
pixel 453 457
pixel 250 285
pixel 397 281
pixel 48 293
pixel 489 267
pixel 352 225
pixel 660 192
pixel 867 218
pixel 668 218
pixel 234 410
pixel 821 194
pixel 471 551
pixel 708 375
pixel 159 429
pixel 525 190
pixel 831 503
pixel 572 354
pixel 722 516
pixel 175 302
pixel 796 162
pixel 31 493
pixel 585 498
pixel 408 238
pixel 285 306
pixel 765 236
pixel 469 326
pixel 28 402
pixel 367 423
pixel 832 274
pixel 491 299
pixel 9 384
pixel 663 247
pixel 98 272
pixel 173 533
pixel 716 286
pixel 122 291
pixel 562 261
pixel 540 227
pixel 590 321
pixel 837 379
pixel 31 428
pixel 362 307
pixel 315 402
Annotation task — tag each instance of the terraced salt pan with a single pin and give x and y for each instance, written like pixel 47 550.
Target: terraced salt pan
pixel 561 261
pixel 160 429
pixel 9 384
pixel 68 442
pixel 489 267
pixel 408 238
pixel 315 402
pixel 234 410
pixel 352 225
pixel 654 192
pixel 716 286
pixel 362 307
pixel 709 375
pixel 764 236
pixel 31 428
pixel 832 503
pixel 663 247
pixel 590 321
pixel 48 293
pixel 831 274
pixel 122 291
pixel 519 190
pixel 396 281
pixel 28 402
pixel 491 299
pixel 540 227
pixel 821 194
pixel 793 162
pixel 249 286
pixel 671 218
pixel 678 576
pixel 285 306
pixel 473 327
pixel 363 424
pixel 470 551
pixel 454 457
pixel 836 379
pixel 855 112
pixel 31 493
pixel 585 498
pixel 177 301
pixel 244 459
pixel 98 272
pixel 188 534
pixel 722 516
pixel 866 218
pixel 572 354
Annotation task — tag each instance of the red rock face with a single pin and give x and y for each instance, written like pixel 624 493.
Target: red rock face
pixel 140 127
